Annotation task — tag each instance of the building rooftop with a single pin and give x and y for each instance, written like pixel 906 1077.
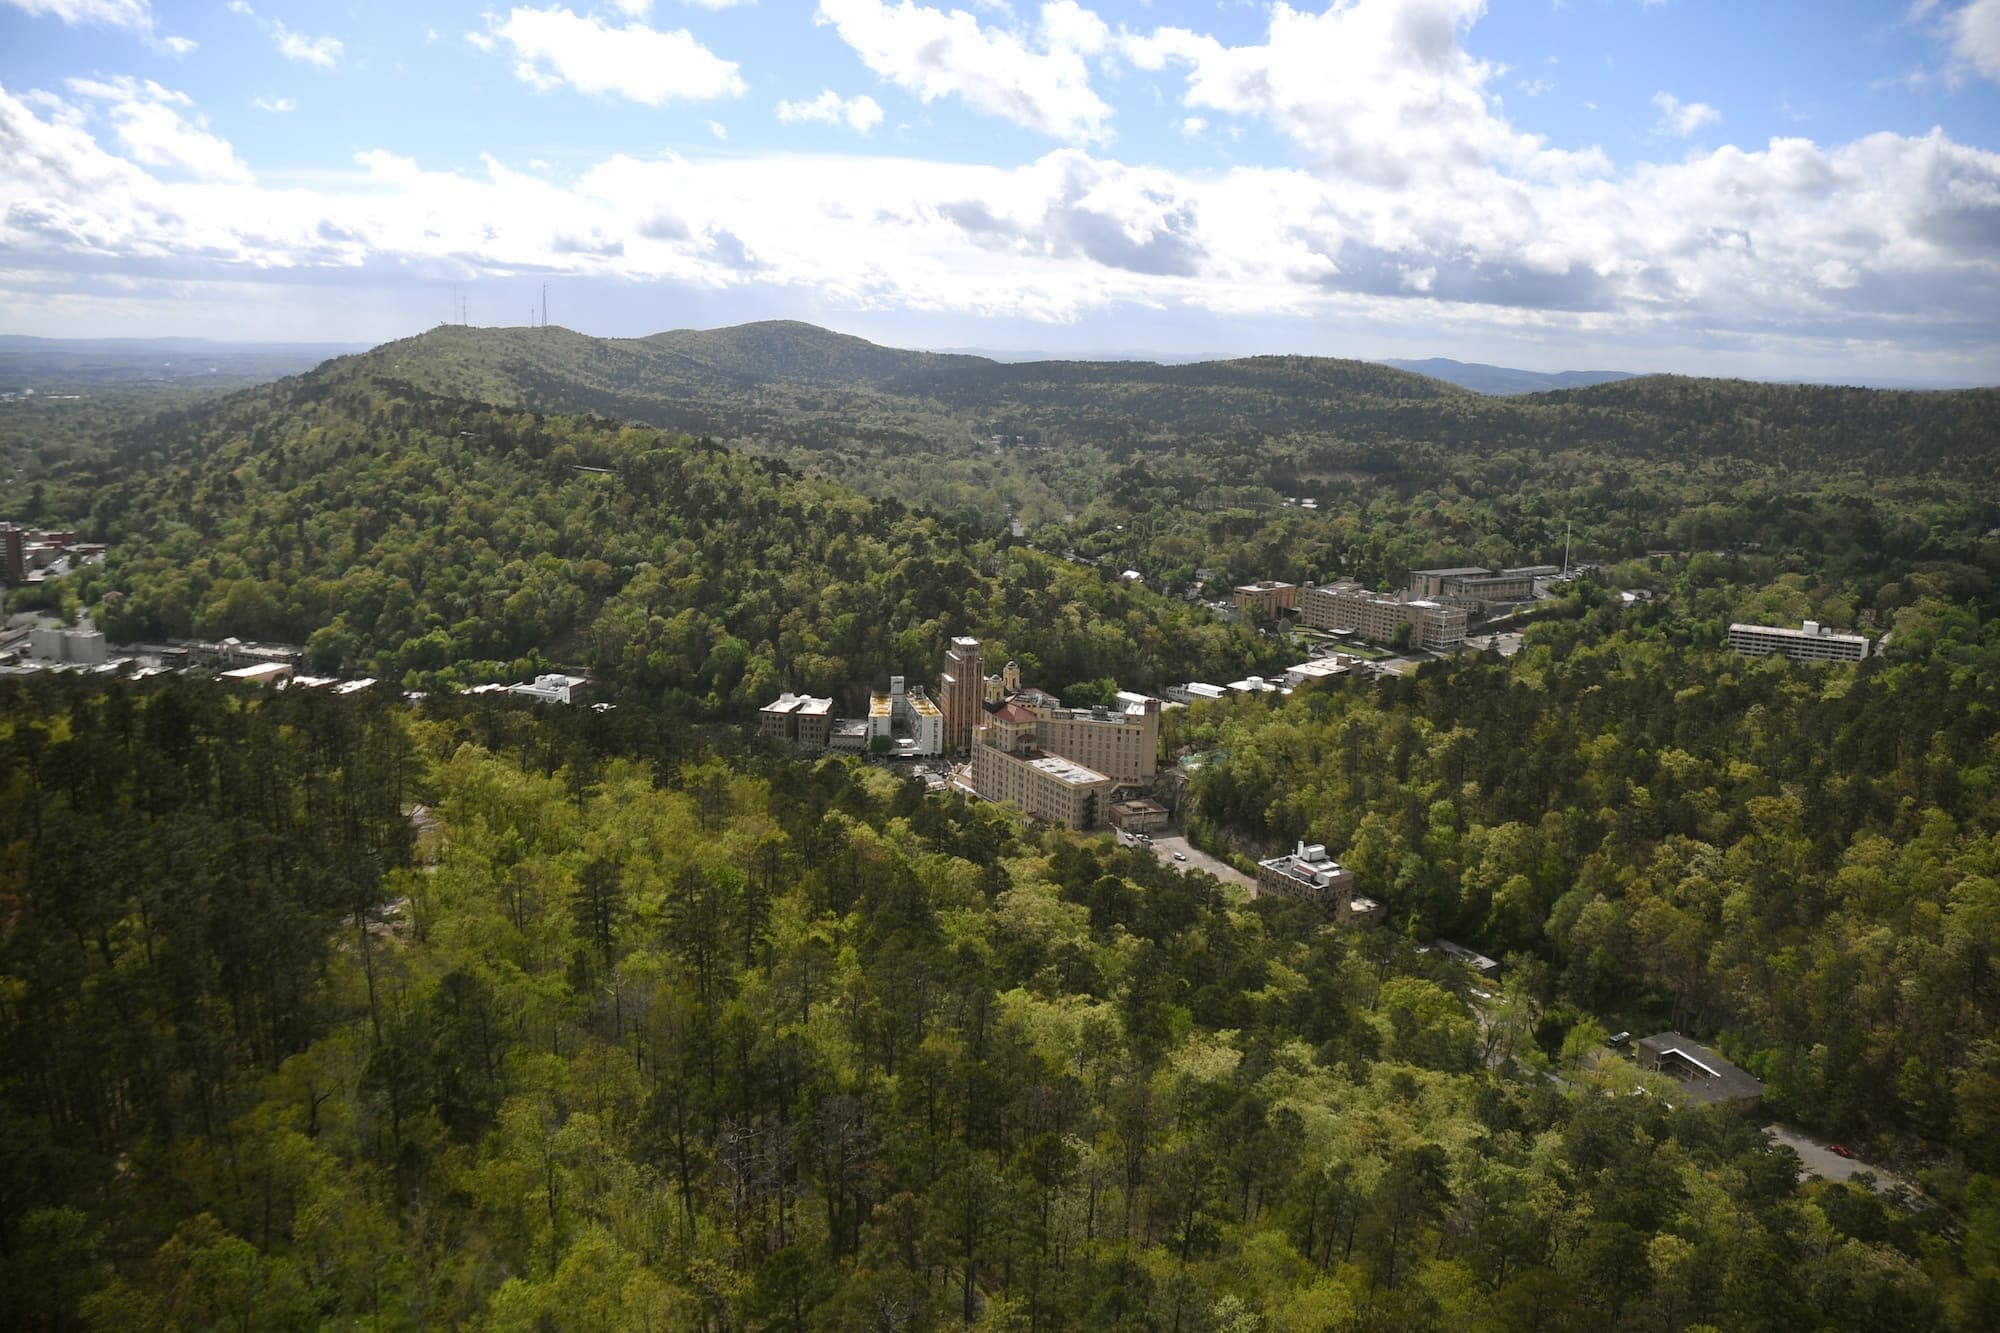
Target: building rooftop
pixel 1058 767
pixel 1308 864
pixel 878 705
pixel 923 707
pixel 1264 585
pixel 1813 630
pixel 1459 571
pixel 1704 1074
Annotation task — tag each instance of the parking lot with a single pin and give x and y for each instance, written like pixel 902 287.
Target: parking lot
pixel 1166 844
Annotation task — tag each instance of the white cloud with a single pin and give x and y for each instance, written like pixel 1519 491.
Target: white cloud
pixel 131 15
pixel 136 15
pixel 718 129
pixel 1378 90
pixel 239 7
pixel 718 4
pixel 321 51
pixel 1884 242
pixel 1040 83
pixel 554 47
pixel 153 129
pixel 633 9
pixel 276 104
pixel 1974 32
pixel 861 114
pixel 1681 119
pixel 1192 126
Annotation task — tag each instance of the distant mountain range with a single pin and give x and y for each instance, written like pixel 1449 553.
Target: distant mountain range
pixel 1506 379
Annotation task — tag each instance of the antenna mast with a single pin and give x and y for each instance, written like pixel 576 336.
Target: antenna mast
pixel 545 305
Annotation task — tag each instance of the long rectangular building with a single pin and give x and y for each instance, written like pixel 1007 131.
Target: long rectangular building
pixel 1046 786
pixel 1814 643
pixel 1375 616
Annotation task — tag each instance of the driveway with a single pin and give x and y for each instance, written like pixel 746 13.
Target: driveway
pixel 1166 844
pixel 1816 1160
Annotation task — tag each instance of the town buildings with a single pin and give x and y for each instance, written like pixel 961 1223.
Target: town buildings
pixel 1813 643
pixel 1347 605
pixel 29 555
pixel 1064 765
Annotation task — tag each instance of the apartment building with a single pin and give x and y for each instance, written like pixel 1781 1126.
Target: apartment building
pixel 1813 643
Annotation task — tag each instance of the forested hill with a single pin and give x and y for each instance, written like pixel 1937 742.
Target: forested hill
pixel 793 384
pixel 443 541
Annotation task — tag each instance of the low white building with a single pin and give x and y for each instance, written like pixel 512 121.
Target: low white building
pixel 552 689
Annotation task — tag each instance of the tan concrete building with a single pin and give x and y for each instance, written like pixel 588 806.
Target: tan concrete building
pixel 1375 616
pixel 1266 597
pixel 962 692
pixel 1046 786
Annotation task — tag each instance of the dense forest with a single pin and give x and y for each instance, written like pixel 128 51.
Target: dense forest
pixel 440 542
pixel 348 1012
pixel 602 1043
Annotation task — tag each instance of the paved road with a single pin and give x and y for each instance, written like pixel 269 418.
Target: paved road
pixel 1166 844
pixel 1815 1160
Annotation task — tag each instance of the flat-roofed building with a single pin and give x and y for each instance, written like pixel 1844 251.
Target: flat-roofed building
pixel 1319 669
pixel 1308 874
pixel 1266 597
pixel 798 718
pixel 1439 582
pixel 1472 958
pixel 1375 616
pixel 263 673
pixel 552 688
pixel 1046 786
pixel 1138 815
pixel 1705 1077
pixel 1812 643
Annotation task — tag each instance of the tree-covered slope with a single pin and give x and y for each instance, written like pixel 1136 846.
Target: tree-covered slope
pixel 769 1046
pixel 407 533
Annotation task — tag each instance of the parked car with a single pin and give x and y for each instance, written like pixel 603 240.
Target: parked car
pixel 1840 1150
pixel 1616 1041
pixel 1180 856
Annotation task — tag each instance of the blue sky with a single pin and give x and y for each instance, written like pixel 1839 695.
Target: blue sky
pixel 1771 189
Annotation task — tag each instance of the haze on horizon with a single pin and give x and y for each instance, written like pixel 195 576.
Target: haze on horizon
pixel 1797 191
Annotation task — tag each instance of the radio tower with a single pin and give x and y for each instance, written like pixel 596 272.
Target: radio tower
pixel 545 305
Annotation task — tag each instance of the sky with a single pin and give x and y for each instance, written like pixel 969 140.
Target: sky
pixel 1772 189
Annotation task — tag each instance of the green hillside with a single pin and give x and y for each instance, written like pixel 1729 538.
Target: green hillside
pixel 444 540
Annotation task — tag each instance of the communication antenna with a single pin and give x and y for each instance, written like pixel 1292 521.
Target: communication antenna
pixel 1565 548
pixel 545 305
